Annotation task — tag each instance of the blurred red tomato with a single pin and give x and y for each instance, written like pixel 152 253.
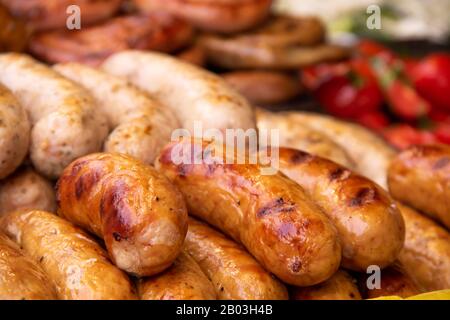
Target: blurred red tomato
pixel 376 120
pixel 431 77
pixel 368 49
pixel 403 136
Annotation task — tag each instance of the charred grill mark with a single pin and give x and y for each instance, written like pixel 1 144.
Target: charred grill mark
pixel 337 174
pixel 364 196
pixel 115 212
pixel 276 206
pixel 85 182
pixel 296 265
pixel 299 157
pixel 441 163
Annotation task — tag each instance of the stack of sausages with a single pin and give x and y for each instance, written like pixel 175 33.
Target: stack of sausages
pixel 117 226
pixel 257 52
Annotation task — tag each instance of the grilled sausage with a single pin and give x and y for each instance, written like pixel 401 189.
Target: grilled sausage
pixel 135 209
pixel 184 280
pixel 206 99
pixel 269 214
pixel 194 55
pixel 341 286
pixel 20 277
pixel 426 253
pixel 141 126
pixel 420 177
pixel 14 132
pixel 91 45
pixel 394 282
pixel 65 122
pixel 264 87
pixel 303 137
pixel 371 152
pixel 51 14
pixel 26 189
pixel 235 274
pixel 369 224
pixel 78 266
pixel 225 16
pixel 13 32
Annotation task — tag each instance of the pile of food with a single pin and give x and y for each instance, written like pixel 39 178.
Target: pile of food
pixel 96 204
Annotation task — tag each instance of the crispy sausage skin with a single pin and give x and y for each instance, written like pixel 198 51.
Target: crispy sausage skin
pixel 184 280
pixel 92 45
pixel 370 152
pixel 369 224
pixel 14 132
pixel 420 177
pixel 235 274
pixel 140 125
pixel 140 215
pixel 65 123
pixel 193 94
pixel 269 214
pixel 77 265
pixel 50 14
pixel 20 277
pixel 26 189
pixel 426 253
pixel 341 286
pixel 394 282
pixel 303 137
pixel 225 16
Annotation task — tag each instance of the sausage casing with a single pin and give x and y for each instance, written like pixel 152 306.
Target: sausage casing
pixel 369 224
pixel 269 214
pixel 184 280
pixel 426 253
pixel 420 177
pixel 20 277
pixel 341 286
pixel 140 215
pixel 26 189
pixel 235 274
pixel 78 266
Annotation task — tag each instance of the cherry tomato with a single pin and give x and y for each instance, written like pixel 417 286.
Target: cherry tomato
pixel 403 136
pixel 373 120
pixel 369 49
pixel 431 77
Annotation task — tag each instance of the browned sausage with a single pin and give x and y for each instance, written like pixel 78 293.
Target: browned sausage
pixel 264 87
pixel 194 55
pixel 234 273
pixel 50 14
pixel 184 280
pixel 78 266
pixel 134 208
pixel 394 282
pixel 341 286
pixel 369 224
pixel 26 189
pixel 426 253
pixel 420 177
pixel 91 45
pixel 213 15
pixel 269 214
pixel 20 277
pixel 13 33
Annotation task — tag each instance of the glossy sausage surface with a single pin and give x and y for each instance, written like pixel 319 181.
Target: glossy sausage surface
pixel 420 178
pixel 77 265
pixel 139 214
pixel 235 274
pixel 269 214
